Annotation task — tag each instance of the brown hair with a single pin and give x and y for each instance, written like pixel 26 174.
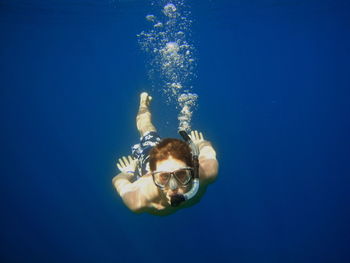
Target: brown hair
pixel 170 147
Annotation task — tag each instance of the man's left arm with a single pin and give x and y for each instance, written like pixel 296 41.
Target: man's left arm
pixel 208 163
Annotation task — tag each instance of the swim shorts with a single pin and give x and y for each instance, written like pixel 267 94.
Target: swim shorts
pixel 141 151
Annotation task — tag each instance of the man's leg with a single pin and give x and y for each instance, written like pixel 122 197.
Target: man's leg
pixel 144 116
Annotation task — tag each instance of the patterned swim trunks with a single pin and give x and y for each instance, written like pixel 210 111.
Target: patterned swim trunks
pixel 141 151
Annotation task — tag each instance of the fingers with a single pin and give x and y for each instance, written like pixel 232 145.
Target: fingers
pixel 125 161
pixel 120 165
pixel 121 162
pixel 195 135
pixel 201 136
pixel 131 160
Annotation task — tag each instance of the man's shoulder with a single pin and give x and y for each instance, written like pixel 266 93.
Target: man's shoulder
pixel 148 191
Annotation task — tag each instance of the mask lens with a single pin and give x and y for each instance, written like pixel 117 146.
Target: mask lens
pixel 183 176
pixel 161 178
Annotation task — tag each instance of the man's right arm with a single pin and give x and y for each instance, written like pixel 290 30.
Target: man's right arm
pixel 137 196
pixel 129 192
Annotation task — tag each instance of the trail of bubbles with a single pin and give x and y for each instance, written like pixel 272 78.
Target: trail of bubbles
pixel 172 55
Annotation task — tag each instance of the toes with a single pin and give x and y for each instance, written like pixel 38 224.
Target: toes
pixel 145 99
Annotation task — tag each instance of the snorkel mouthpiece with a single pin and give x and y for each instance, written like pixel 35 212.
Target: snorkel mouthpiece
pixel 176 200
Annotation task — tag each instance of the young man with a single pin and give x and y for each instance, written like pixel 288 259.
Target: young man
pixel 159 171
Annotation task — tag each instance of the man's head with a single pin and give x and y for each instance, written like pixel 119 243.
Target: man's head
pixel 173 157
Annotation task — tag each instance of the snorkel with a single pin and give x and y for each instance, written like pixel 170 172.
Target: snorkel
pixel 179 198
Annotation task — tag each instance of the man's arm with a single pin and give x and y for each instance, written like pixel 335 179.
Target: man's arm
pixel 129 192
pixel 137 196
pixel 208 163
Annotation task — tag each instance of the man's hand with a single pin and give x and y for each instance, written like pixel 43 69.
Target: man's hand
pixel 127 164
pixel 196 137
pixel 208 165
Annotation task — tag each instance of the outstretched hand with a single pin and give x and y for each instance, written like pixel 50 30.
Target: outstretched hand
pixel 127 164
pixel 196 137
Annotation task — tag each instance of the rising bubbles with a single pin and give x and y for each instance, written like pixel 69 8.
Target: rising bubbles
pixel 172 56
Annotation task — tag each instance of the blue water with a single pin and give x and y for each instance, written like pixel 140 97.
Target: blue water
pixel 273 85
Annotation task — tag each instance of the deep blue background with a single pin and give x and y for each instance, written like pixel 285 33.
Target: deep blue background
pixel 273 81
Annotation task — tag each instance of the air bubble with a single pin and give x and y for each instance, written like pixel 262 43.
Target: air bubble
pixel 169 10
pixel 150 18
pixel 159 24
pixel 171 47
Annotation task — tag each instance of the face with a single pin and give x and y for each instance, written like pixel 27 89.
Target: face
pixel 170 165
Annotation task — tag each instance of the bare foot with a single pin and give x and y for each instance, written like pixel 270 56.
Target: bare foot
pixel 145 100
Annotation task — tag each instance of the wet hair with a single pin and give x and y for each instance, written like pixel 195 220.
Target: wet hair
pixel 170 147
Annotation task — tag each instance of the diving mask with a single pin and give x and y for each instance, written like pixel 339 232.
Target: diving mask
pixel 183 177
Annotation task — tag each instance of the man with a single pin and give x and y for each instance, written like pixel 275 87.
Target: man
pixel 163 176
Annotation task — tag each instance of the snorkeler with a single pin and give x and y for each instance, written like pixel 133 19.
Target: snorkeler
pixel 164 175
